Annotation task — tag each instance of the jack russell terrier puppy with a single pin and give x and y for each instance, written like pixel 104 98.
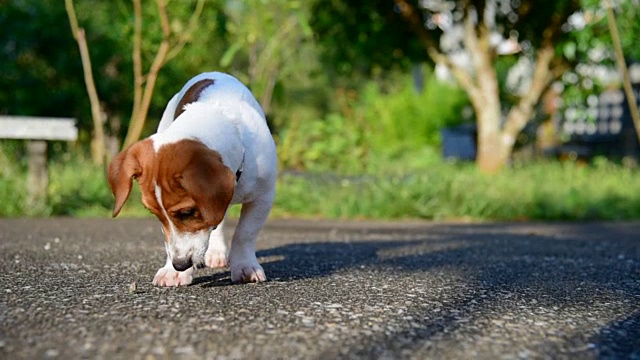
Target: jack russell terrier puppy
pixel 212 149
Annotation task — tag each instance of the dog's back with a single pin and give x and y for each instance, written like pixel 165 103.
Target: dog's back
pixel 221 112
pixel 222 92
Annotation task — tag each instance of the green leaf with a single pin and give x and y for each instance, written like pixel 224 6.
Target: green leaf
pixel 304 24
pixel 570 51
pixel 228 55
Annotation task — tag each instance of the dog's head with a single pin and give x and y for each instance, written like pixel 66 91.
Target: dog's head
pixel 185 184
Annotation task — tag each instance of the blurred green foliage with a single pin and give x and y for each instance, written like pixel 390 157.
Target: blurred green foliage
pixel 41 62
pixel 40 65
pixel 293 55
pixel 340 103
pixel 403 118
pixel 364 36
pixel 373 126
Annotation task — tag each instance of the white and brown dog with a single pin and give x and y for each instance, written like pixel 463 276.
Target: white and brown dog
pixel 212 149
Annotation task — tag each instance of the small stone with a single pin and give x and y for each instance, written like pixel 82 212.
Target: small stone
pixel 51 353
pixel 184 350
pixel 133 287
pixel 308 321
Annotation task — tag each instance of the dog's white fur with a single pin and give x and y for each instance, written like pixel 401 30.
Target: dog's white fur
pixel 227 119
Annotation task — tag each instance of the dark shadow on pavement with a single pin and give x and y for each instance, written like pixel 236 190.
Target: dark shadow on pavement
pixel 504 265
pixel 216 279
pixel 620 339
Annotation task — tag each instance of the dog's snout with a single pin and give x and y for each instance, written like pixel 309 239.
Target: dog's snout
pixel 182 264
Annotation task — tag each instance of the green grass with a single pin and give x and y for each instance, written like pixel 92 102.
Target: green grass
pixel 441 191
pixel 543 191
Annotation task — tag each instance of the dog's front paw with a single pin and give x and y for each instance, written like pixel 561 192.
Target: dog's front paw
pixel 247 273
pixel 170 277
pixel 216 259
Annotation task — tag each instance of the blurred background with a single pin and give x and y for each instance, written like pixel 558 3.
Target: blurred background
pixel 434 109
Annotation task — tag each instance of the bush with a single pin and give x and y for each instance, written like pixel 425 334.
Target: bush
pixel 370 127
pixel 408 120
pixel 78 188
pixel 333 144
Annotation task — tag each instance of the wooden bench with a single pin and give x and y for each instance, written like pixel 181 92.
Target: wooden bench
pixel 37 131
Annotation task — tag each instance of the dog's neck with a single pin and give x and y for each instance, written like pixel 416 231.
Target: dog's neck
pixel 198 125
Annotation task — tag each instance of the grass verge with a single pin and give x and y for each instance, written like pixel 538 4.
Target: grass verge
pixel 441 191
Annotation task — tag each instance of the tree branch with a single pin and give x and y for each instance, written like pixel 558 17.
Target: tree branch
pixel 547 68
pixel 484 96
pixel 98 144
pixel 472 41
pixel 137 121
pixel 164 19
pixel 465 80
pixel 73 20
pixel 138 78
pixel 542 77
pixel 186 35
pixel 622 65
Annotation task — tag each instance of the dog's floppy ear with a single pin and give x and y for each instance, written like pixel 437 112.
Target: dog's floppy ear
pixel 210 183
pixel 125 167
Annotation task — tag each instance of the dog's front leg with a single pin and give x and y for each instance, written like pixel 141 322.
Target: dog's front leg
pixel 216 255
pixel 168 276
pixel 242 257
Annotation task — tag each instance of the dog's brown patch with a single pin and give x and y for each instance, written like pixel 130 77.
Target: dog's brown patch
pixel 196 187
pixel 192 95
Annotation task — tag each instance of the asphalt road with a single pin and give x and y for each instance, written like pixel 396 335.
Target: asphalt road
pixel 82 289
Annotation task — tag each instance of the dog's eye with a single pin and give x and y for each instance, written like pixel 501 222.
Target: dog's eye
pixel 186 213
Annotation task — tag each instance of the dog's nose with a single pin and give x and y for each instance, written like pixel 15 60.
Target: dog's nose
pixel 182 264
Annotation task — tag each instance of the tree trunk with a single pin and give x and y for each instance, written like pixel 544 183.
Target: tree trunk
pixel 493 148
pixel 493 151
pixel 492 155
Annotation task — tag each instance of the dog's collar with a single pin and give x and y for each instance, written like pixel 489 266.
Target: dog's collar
pixel 239 172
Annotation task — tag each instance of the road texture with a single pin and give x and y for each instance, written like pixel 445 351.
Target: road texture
pixel 74 289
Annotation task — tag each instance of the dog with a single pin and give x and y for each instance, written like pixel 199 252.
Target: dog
pixel 213 148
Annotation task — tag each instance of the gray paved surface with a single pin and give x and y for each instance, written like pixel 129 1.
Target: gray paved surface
pixel 336 290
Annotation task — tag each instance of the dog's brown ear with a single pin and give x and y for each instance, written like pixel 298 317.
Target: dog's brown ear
pixel 125 167
pixel 210 183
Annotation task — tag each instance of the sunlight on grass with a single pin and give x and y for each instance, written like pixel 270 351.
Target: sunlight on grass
pixel 441 191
